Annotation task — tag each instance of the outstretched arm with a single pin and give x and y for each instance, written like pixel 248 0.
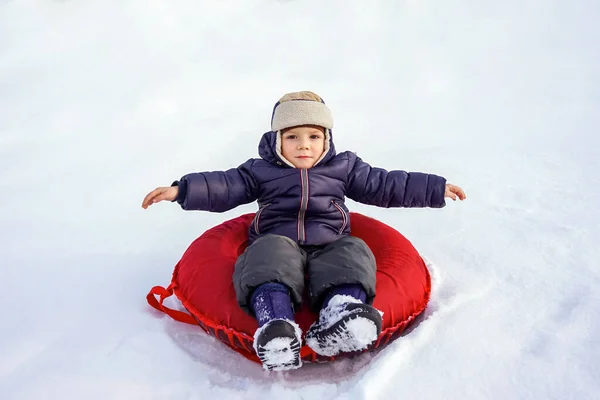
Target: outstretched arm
pixel 210 191
pixel 376 186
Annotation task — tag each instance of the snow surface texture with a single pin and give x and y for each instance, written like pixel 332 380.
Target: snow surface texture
pixel 102 101
pixel 357 334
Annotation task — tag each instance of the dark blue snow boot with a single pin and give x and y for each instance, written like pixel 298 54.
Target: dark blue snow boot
pixel 345 323
pixel 278 339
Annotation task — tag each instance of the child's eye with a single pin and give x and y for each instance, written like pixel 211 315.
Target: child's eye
pixel 290 137
pixel 316 137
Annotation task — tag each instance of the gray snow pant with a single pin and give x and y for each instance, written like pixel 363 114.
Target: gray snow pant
pixel 274 258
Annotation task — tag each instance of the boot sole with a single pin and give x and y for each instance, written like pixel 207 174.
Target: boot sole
pixel 278 345
pixel 354 332
pixel 280 354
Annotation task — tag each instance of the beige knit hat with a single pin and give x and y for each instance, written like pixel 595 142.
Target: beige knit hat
pixel 300 108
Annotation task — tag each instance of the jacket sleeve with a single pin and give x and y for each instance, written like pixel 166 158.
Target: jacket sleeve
pixel 218 191
pixel 376 186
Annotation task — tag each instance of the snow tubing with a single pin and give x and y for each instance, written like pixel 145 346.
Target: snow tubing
pixel 202 281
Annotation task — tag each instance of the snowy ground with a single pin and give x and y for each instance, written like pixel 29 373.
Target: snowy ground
pixel 101 101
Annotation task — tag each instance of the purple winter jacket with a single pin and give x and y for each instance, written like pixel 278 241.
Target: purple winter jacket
pixel 306 205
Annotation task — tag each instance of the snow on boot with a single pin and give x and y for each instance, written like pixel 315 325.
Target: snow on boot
pixel 277 344
pixel 345 325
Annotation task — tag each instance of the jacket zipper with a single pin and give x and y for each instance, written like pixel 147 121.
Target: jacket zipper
pixel 303 206
pixel 258 217
pixel 344 217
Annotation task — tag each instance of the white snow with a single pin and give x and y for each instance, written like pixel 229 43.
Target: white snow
pixel 102 101
pixel 362 331
pixel 279 354
pixel 335 310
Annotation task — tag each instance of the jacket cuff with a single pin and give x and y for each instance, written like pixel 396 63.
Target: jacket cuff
pixel 182 192
pixel 439 190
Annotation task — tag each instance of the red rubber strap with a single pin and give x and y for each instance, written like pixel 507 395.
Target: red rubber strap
pixel 164 293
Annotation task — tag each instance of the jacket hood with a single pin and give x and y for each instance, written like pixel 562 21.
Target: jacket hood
pixel 269 149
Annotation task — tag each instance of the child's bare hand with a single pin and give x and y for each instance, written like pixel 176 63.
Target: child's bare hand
pixel 160 194
pixel 454 192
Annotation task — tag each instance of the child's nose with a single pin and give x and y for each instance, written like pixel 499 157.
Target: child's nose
pixel 304 144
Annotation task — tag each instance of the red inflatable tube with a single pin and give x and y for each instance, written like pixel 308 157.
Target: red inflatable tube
pixel 202 281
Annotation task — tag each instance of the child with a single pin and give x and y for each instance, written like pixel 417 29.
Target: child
pixel 301 232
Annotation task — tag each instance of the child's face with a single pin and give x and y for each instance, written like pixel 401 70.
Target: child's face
pixel 303 145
